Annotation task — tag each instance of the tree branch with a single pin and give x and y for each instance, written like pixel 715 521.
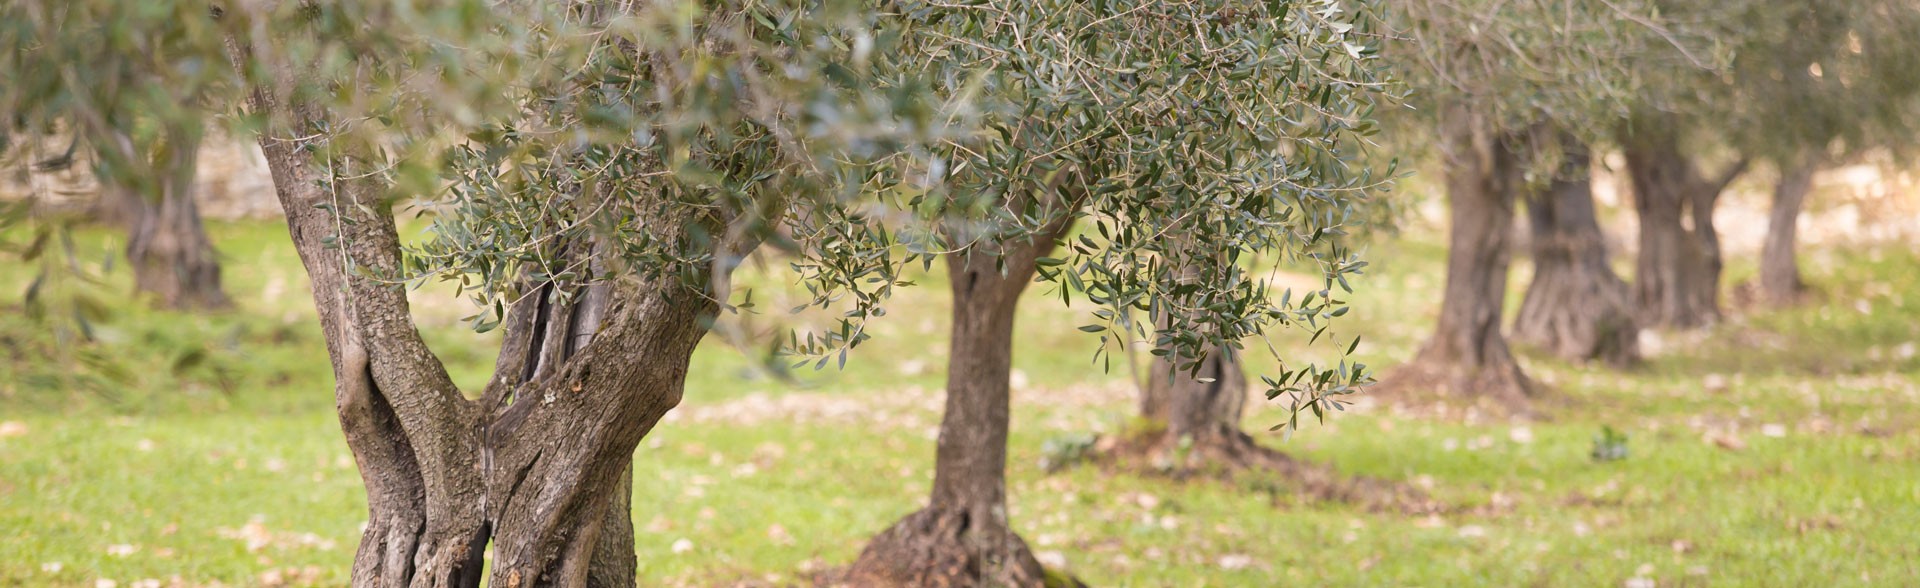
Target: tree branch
pixel 1733 172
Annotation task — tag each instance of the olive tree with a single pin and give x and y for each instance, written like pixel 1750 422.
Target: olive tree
pixel 1806 82
pixel 1512 88
pixel 1811 84
pixel 594 191
pixel 1576 306
pixel 129 86
pixel 1184 140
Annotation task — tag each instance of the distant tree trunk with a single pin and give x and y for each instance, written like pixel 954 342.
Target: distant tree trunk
pixel 1467 355
pixel 167 246
pixel 1179 407
pixel 1677 274
pixel 1576 306
pixel 1189 425
pixel 1780 282
pixel 962 537
pixel 1177 404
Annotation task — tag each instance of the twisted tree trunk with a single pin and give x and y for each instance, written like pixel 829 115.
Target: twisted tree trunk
pixel 538 469
pixel 1780 282
pixel 962 537
pixel 1576 306
pixel 1677 274
pixel 1467 356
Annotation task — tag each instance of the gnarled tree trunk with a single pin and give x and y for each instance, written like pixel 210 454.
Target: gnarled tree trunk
pixel 1467 356
pixel 962 538
pixel 1780 282
pixel 1576 306
pixel 538 469
pixel 1677 274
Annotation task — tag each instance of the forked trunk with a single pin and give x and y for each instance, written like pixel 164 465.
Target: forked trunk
pixel 1467 355
pixel 1677 274
pixel 538 470
pixel 962 537
pixel 1780 281
pixel 1576 306
pixel 167 245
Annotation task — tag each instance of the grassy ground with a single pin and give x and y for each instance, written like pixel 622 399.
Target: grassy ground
pixel 1777 449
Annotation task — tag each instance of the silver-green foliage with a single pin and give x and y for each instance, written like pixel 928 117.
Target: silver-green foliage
pixel 1191 141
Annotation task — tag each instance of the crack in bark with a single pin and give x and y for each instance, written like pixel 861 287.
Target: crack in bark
pixel 470 570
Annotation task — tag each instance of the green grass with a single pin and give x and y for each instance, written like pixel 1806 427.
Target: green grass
pixel 185 462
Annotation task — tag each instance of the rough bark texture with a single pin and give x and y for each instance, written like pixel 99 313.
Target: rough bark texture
pixel 961 538
pixel 1780 282
pixel 1576 306
pixel 1677 274
pixel 1467 356
pixel 538 468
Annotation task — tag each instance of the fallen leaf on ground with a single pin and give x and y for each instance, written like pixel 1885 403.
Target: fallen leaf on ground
pixel 1727 441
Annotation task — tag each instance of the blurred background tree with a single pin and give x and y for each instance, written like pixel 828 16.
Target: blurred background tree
pixel 131 89
pixel 1514 92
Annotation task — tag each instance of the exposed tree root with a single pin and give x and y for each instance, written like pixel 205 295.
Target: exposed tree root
pixel 950 548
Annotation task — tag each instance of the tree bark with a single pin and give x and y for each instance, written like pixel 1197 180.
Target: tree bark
pixel 1206 411
pixel 1780 282
pixel 1199 410
pixel 1467 355
pixel 538 469
pixel 1576 306
pixel 962 538
pixel 1677 274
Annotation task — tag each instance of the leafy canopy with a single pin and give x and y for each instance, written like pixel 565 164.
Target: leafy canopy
pixel 570 142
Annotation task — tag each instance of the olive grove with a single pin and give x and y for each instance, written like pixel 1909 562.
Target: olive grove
pixel 595 171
